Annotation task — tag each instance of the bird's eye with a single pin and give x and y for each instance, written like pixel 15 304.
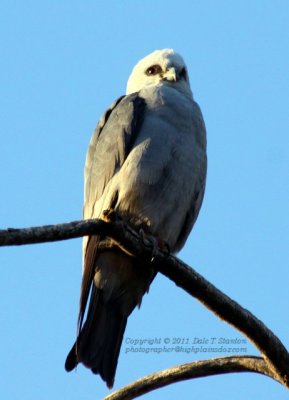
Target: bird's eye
pixel 183 73
pixel 153 70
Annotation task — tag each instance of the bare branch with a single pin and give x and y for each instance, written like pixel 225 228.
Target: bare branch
pixel 275 354
pixel 197 369
pixel 273 351
pixel 118 230
pixel 51 233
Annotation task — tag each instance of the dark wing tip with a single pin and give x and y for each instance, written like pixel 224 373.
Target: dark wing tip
pixel 109 383
pixel 109 380
pixel 71 360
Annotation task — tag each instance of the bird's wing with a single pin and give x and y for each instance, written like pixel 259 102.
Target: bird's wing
pixel 110 144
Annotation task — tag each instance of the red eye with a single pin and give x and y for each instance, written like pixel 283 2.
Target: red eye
pixel 154 70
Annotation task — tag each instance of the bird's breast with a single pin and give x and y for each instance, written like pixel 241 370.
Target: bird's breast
pixel 157 181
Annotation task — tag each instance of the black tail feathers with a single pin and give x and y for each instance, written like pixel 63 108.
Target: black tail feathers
pixel 98 344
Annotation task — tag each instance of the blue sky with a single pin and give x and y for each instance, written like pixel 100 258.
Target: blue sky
pixel 62 64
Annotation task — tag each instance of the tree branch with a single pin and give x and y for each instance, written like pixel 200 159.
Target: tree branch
pixel 51 233
pixel 197 369
pixel 275 354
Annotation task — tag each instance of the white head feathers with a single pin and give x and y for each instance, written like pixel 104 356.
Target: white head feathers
pixel 160 67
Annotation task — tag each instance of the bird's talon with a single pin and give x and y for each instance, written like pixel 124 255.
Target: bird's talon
pixel 150 240
pixel 165 247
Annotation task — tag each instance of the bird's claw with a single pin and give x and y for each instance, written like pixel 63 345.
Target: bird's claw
pixel 165 247
pixel 149 240
pixel 155 243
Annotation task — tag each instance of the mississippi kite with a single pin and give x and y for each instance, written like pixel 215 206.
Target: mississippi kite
pixel 147 161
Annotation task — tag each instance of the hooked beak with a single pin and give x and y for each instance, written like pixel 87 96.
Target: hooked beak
pixel 170 75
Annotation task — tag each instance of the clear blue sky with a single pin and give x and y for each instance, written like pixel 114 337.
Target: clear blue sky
pixel 62 64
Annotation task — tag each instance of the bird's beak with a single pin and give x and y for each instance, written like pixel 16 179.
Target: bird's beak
pixel 170 75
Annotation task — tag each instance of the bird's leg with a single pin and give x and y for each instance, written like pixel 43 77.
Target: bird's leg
pixel 156 243
pixel 148 239
pixel 111 215
pixel 165 247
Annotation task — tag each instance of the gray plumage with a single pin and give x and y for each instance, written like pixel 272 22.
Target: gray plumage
pixel 146 161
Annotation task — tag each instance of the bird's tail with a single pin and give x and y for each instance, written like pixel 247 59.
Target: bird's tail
pixel 98 344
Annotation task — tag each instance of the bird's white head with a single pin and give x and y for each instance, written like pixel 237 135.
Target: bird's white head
pixel 160 67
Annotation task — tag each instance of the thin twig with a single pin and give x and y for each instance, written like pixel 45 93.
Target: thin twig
pixel 197 369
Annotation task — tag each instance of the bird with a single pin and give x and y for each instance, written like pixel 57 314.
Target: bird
pixel 146 162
